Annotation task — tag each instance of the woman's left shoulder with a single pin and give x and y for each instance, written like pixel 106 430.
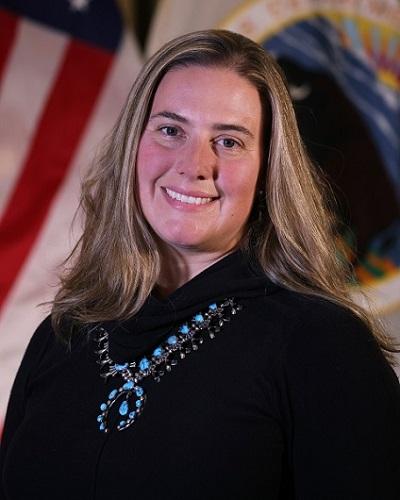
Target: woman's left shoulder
pixel 339 401
pixel 316 321
pixel 334 338
pixel 317 316
pixel 314 330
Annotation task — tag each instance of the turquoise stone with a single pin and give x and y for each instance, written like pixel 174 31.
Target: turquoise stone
pixel 164 356
pixel 112 394
pixel 184 329
pixel 144 364
pixel 123 409
pixel 121 368
pixel 128 385
pixel 158 351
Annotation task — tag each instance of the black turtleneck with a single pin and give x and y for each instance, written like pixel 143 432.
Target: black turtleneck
pixel 291 400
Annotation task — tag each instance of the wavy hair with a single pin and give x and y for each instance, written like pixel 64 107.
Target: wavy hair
pixel 116 262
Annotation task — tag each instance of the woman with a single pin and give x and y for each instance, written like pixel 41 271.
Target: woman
pixel 207 246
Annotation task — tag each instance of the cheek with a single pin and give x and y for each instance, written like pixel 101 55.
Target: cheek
pixel 239 186
pixel 149 166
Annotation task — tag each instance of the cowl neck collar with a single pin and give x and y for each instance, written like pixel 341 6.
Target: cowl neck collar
pixel 236 275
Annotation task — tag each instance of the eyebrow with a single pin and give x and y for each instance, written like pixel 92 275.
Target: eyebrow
pixel 170 115
pixel 216 126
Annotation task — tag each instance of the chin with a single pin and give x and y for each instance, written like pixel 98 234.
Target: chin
pixel 183 238
pixel 189 246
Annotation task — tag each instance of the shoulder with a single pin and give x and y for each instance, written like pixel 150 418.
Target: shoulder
pixel 39 342
pixel 44 348
pixel 329 362
pixel 308 320
pixel 324 344
pixel 336 396
pixel 303 320
pixel 310 331
pixel 34 353
pixel 321 325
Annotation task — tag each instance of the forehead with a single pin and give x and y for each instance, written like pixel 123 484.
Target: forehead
pixel 208 92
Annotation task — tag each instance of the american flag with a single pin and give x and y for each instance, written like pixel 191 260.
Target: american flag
pixel 65 71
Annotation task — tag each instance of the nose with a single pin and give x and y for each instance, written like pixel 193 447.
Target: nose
pixel 198 159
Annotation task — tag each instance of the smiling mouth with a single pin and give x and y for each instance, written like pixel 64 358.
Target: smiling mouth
pixel 190 200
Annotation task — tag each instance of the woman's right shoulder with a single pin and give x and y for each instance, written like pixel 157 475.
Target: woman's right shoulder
pixel 42 336
pixel 39 343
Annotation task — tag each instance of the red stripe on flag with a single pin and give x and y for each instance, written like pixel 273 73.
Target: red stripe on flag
pixel 59 131
pixel 8 29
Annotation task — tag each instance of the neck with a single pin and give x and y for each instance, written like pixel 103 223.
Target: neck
pixel 178 267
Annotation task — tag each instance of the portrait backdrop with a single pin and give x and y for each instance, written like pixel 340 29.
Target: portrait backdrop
pixel 66 68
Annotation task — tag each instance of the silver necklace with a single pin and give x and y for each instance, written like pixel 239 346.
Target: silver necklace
pixel 129 398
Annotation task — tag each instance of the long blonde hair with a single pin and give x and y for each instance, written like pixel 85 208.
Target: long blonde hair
pixel 116 262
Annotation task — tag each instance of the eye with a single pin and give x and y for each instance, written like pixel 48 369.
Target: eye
pixel 169 130
pixel 228 143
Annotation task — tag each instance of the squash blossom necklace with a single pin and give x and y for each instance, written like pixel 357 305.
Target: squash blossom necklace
pixel 129 398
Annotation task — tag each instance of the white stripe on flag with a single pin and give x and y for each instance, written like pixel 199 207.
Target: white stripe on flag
pixel 20 316
pixel 28 76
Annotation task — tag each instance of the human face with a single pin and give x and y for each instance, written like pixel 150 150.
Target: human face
pixel 199 159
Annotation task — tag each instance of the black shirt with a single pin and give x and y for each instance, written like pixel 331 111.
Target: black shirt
pixel 293 399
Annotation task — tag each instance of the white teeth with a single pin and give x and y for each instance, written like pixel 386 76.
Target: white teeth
pixel 191 200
